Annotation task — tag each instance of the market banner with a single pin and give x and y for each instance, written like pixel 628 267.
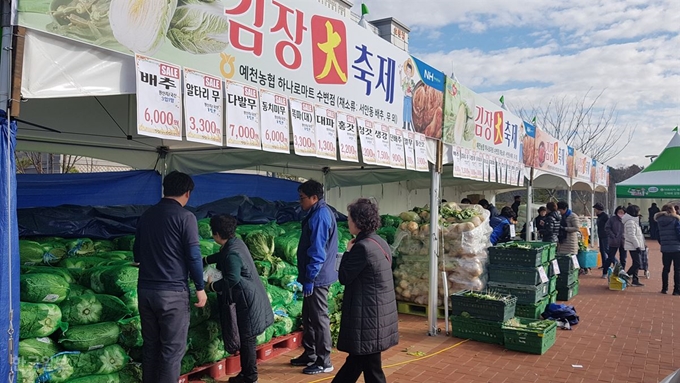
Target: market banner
pixel 275 123
pixel 527 148
pixel 367 140
pixel 409 150
pixel 648 191
pixel 397 156
pixel 347 137
pixel 423 97
pixel 326 133
pixel 550 154
pixel 421 153
pixel 203 108
pixel 382 144
pixel 304 127
pixel 581 168
pixel 159 99
pixel 298 48
pixel 243 116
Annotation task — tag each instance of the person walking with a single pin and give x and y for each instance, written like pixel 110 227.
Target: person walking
pixel 242 286
pixel 369 323
pixel 601 222
pixel 569 225
pixel 515 205
pixel 316 255
pixel 167 250
pixel 669 239
pixel 551 225
pixel 634 241
pixel 614 231
pixel 653 226
pixel 501 226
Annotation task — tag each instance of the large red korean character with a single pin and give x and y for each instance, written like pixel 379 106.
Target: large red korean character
pixel 329 50
pixel 498 127
pixel 236 27
pixel 293 41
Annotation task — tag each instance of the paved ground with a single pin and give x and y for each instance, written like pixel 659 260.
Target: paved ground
pixel 629 336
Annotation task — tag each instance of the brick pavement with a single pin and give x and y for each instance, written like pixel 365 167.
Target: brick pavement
pixel 628 336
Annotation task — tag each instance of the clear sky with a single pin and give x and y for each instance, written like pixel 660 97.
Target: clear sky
pixel 533 50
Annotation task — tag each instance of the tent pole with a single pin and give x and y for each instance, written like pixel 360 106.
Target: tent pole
pixel 434 241
pixel 569 194
pixel 593 219
pixel 530 199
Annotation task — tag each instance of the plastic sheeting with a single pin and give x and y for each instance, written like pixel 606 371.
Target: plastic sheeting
pixel 9 247
pixel 215 186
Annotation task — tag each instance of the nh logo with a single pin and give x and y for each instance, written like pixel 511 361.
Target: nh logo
pixel 429 75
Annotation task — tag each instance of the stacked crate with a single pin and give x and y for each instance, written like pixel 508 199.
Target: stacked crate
pixel 567 280
pixel 524 273
pixel 474 317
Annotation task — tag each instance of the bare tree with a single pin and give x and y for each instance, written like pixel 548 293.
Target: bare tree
pixel 580 122
pixel 28 160
pixel 68 163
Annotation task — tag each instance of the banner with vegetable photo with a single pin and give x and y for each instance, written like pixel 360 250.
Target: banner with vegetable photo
pixel 459 117
pixel 582 164
pixel 550 154
pixel 527 146
pixel 423 98
pixel 298 48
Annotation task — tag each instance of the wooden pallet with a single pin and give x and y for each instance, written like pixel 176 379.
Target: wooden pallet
pixel 416 309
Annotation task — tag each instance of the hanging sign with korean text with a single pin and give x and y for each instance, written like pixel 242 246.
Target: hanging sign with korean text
pixel 274 119
pixel 409 150
pixel 397 159
pixel 382 144
pixel 159 99
pixel 326 133
pixel 243 116
pixel 367 139
pixel 347 137
pixel 304 127
pixel 421 153
pixel 203 108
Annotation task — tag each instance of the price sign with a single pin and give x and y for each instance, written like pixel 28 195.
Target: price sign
pixel 467 164
pixel 243 116
pixel 574 260
pixel 421 153
pixel 326 133
pixel 555 267
pixel 304 132
pixel 487 160
pixel 382 145
pixel 503 171
pixel 493 165
pixel 275 126
pixel 409 150
pixel 542 274
pixel 479 163
pixel 347 137
pixel 397 158
pixel 367 139
pixel 203 108
pixel 159 98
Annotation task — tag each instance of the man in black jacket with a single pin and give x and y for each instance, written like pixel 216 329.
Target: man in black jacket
pixel 602 219
pixel 653 225
pixel 551 226
pixel 516 204
pixel 167 250
pixel 490 207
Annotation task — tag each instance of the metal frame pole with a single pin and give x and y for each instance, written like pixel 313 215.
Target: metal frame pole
pixel 530 200
pixel 434 241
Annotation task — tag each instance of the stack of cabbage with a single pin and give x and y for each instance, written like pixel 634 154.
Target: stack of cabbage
pixel 464 239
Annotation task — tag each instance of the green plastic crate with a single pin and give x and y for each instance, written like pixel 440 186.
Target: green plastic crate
pixel 565 294
pixel 566 263
pixel 552 287
pixel 477 329
pixel 532 341
pixel 532 311
pixel 552 251
pixel 514 274
pixel 504 255
pixel 526 294
pixel 553 297
pixel 491 310
pixel 565 280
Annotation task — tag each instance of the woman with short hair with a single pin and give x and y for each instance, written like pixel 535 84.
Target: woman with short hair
pixel 634 241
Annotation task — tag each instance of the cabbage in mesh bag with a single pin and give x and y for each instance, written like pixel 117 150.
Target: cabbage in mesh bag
pixel 80 247
pixel 30 252
pixel 107 360
pixel 39 319
pixel 279 296
pixel 108 378
pixel 60 271
pixel 282 269
pixel 131 332
pixel 188 363
pixel 204 229
pixel 93 308
pixel 125 243
pixel 202 335
pixel 78 290
pixel 114 280
pixel 131 301
pixel 90 337
pixel 209 352
pixel 42 287
pixel 81 263
pixel 285 246
pixel 103 245
pixel 54 252
pixel 26 371
pixel 261 245
pixel 37 350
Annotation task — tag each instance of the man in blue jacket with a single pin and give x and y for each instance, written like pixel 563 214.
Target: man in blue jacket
pixel 316 257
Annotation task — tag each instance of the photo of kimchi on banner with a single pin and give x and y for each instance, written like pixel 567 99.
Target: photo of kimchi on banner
pixel 423 92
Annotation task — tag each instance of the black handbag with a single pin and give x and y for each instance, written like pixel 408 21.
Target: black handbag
pixel 232 339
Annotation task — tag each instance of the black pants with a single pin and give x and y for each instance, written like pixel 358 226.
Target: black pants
pixel 248 359
pixel 165 323
pixel 622 255
pixel 668 259
pixel 637 264
pixel 604 250
pixel 370 365
pixel 316 338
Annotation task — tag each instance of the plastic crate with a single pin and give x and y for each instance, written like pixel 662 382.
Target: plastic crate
pixel 567 279
pixel 504 255
pixel 553 297
pixel 491 310
pixel 532 341
pixel 566 263
pixel 477 329
pixel 532 311
pixel 526 294
pixel 565 294
pixel 552 285
pixel 587 258
pixel 514 274
pixel 552 251
pixel 617 284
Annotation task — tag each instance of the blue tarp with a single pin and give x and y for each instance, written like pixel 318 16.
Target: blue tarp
pixel 142 187
pixel 9 246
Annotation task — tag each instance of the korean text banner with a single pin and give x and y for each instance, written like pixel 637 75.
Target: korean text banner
pixel 550 154
pixel 423 88
pixel 473 122
pixel 581 168
pixel 297 48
